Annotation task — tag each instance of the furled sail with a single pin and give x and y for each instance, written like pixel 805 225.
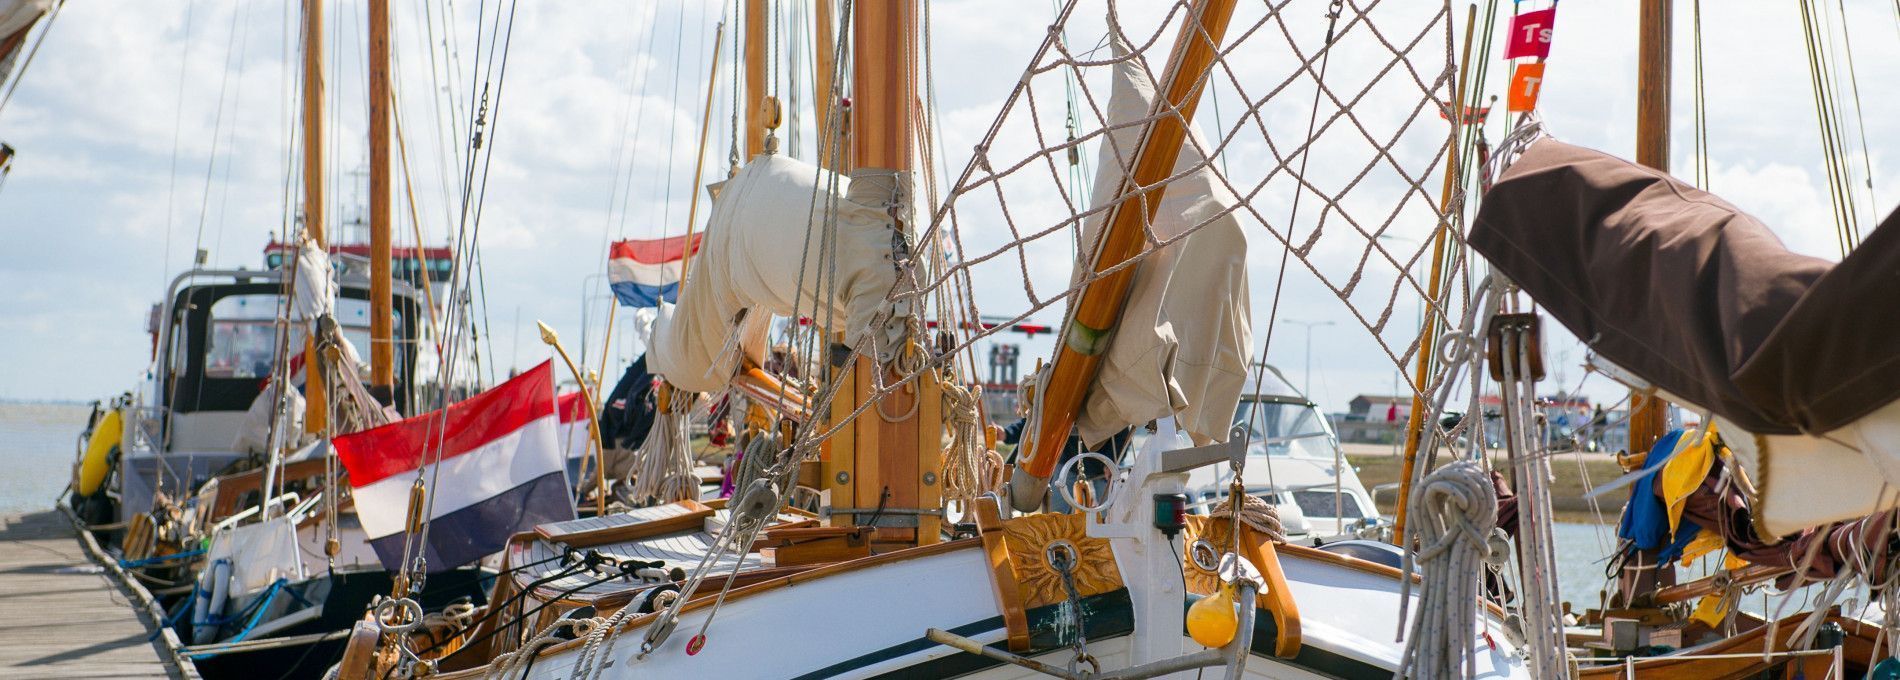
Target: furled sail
pixel 765 253
pixel 1182 343
pixel 16 19
pixel 1684 290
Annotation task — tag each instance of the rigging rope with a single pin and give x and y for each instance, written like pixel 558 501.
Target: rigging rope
pixel 1456 509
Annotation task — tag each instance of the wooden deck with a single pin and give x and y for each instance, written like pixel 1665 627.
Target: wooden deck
pixel 63 615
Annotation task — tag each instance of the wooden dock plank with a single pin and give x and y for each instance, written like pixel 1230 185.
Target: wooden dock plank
pixel 64 616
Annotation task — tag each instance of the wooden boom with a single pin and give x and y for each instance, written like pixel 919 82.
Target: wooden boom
pixel 1099 305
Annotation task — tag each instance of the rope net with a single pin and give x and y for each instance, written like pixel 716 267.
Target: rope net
pixel 1327 127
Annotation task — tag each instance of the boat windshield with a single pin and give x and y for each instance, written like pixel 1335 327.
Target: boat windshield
pixel 1277 420
pixel 243 333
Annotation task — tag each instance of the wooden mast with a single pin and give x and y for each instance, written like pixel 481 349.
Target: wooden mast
pixel 1099 305
pixel 824 41
pixel 382 350
pixel 1435 289
pixel 882 470
pixel 1648 413
pixel 317 412
pixel 760 114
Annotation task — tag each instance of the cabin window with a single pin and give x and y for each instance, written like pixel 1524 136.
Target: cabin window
pixel 242 338
pixel 1280 420
pixel 243 335
pixel 1319 503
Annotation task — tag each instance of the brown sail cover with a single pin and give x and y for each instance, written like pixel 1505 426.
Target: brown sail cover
pixel 1692 294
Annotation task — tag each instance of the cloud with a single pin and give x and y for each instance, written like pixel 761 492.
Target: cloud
pixel 599 120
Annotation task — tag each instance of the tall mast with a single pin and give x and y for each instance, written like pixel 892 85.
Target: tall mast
pixel 1647 413
pixel 317 413
pixel 382 351
pixel 1099 306
pixel 882 471
pixel 758 117
pixel 825 40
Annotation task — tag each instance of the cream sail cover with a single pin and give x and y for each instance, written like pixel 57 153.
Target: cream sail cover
pixel 1182 344
pixel 748 268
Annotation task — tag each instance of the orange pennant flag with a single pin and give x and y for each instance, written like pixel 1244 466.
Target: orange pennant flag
pixel 1526 83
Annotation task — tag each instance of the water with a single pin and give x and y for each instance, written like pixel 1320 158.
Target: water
pixel 37 449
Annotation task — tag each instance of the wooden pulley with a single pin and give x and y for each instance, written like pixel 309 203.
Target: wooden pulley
pixel 1496 353
pixel 770 113
pixel 663 397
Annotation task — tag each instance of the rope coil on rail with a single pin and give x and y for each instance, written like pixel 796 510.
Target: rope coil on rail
pixel 1456 508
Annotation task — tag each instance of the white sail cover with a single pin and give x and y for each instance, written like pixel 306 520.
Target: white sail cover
pixel 16 18
pixel 1182 343
pixel 749 264
pixel 316 283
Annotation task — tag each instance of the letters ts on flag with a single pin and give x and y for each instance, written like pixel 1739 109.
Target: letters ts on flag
pixel 1526 83
pixel 496 470
pixel 1530 34
pixel 646 272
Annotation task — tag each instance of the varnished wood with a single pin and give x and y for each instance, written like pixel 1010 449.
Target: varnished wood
pixel 382 350
pixel 317 404
pixel 882 84
pixel 64 615
pixel 1435 290
pixel 359 653
pixel 1099 305
pixel 686 515
pixel 824 44
pixel 1648 414
pixel 757 51
pixel 1745 576
pixel 1009 593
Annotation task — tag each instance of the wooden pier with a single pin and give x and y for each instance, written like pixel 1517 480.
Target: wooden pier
pixel 63 615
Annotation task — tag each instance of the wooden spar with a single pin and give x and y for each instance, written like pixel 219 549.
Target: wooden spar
pixel 757 50
pixel 1428 328
pixel 824 41
pixel 1099 305
pixel 1647 412
pixel 382 350
pixel 882 468
pixel 317 410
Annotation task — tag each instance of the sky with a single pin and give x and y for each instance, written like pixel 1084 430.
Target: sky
pixel 148 131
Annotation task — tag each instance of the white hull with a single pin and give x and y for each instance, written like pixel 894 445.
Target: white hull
pixel 870 622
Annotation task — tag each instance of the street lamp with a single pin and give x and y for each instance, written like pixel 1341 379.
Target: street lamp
pixel 1309 349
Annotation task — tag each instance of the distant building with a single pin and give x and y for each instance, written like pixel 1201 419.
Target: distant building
pixel 1374 408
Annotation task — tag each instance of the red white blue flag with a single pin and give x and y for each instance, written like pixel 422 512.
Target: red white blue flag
pixel 646 272
pixel 499 470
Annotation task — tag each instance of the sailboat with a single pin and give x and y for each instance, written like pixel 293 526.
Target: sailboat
pixel 924 558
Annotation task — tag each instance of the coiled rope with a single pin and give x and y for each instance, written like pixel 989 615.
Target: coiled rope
pixel 1256 513
pixel 1456 509
pixel 663 466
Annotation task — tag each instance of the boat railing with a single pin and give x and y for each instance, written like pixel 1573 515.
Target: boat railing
pixel 1630 664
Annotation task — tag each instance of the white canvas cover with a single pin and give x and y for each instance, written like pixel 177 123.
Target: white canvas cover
pixel 1802 481
pixel 1182 343
pixel 16 18
pixel 316 283
pixel 748 269
pixel 259 553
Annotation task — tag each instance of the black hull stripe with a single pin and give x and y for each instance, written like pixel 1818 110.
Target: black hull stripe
pixel 1110 615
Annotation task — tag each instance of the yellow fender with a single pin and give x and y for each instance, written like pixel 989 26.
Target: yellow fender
pixel 91 473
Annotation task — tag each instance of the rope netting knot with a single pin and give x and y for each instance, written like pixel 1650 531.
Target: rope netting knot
pixel 1009 228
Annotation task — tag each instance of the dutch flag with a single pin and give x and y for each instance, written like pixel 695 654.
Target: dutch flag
pixel 499 470
pixel 646 272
